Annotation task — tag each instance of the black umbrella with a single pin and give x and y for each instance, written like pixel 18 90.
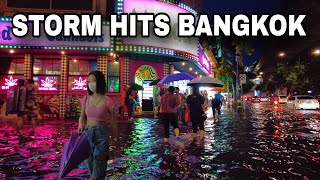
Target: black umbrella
pixel 136 87
pixel 206 81
pixel 155 82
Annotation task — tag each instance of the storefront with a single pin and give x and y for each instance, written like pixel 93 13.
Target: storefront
pixel 60 65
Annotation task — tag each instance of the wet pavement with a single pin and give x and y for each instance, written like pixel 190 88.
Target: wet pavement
pixel 263 143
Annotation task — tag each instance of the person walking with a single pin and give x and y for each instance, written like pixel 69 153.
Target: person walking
pixel 168 103
pixel 196 106
pixel 181 109
pixel 32 106
pixel 131 104
pixel 216 105
pixel 97 109
pixel 21 102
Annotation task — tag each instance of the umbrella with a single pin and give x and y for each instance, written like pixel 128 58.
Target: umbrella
pixel 176 77
pixel 75 151
pixel 206 81
pixel 216 89
pixel 136 87
pixel 155 82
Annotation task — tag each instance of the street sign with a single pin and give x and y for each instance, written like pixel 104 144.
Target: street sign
pixel 243 78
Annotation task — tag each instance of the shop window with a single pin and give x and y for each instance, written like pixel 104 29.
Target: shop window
pixel 78 72
pixel 77 83
pixel 37 4
pixel 71 5
pixel 16 66
pixel 7 81
pixel 81 67
pixel 46 67
pixel 47 83
pixel 113 74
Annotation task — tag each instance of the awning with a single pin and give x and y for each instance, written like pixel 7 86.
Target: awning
pixel 190 67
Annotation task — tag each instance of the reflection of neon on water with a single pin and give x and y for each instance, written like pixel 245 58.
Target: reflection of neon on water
pixel 9 83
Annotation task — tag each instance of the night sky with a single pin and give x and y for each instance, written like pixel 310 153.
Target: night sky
pixel 247 7
pixel 240 6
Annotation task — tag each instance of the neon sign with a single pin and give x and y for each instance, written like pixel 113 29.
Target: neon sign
pixel 9 83
pixel 204 61
pixel 47 85
pixel 79 84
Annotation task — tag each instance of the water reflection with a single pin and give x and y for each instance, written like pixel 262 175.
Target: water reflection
pixel 263 143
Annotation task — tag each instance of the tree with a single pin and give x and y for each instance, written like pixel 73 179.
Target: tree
pixel 74 108
pixel 246 88
pixel 225 71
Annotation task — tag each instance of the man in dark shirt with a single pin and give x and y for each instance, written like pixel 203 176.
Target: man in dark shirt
pixel 196 105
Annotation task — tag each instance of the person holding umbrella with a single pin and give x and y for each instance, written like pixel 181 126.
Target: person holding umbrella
pixel 97 109
pixel 196 106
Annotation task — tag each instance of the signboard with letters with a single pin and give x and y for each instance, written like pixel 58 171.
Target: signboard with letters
pixel 7 38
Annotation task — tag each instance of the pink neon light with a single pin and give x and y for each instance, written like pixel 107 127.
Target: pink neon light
pixel 79 84
pixel 204 61
pixel 47 85
pixel 9 83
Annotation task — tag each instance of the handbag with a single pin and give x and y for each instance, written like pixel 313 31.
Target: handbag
pixel 187 117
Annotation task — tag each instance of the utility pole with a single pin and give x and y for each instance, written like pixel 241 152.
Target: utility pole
pixel 238 89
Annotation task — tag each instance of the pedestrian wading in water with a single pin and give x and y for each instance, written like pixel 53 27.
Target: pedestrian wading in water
pixel 97 109
pixel 196 105
pixel 169 101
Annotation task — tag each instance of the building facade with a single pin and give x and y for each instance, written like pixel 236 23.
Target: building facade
pixel 196 4
pixel 59 65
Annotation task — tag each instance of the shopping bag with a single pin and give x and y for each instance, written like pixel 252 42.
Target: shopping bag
pixel 187 117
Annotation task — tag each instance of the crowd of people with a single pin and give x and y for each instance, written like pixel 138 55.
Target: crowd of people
pixel 173 106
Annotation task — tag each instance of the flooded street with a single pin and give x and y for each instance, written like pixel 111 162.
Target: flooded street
pixel 263 143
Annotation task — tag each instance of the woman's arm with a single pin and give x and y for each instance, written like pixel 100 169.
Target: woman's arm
pixel 82 117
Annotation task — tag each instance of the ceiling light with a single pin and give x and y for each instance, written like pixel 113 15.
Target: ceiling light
pixel 62 52
pixel 183 63
pixel 11 51
pixel 74 60
pixel 317 52
pixel 190 69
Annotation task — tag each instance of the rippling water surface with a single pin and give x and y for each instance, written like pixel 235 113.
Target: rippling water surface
pixel 263 143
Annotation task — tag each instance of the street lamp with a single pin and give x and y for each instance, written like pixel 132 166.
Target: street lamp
pixel 282 54
pixel 317 52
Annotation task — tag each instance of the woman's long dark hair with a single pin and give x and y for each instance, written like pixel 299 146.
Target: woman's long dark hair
pixel 101 83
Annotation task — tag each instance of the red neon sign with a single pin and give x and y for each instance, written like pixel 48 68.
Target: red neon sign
pixel 79 84
pixel 9 83
pixel 47 85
